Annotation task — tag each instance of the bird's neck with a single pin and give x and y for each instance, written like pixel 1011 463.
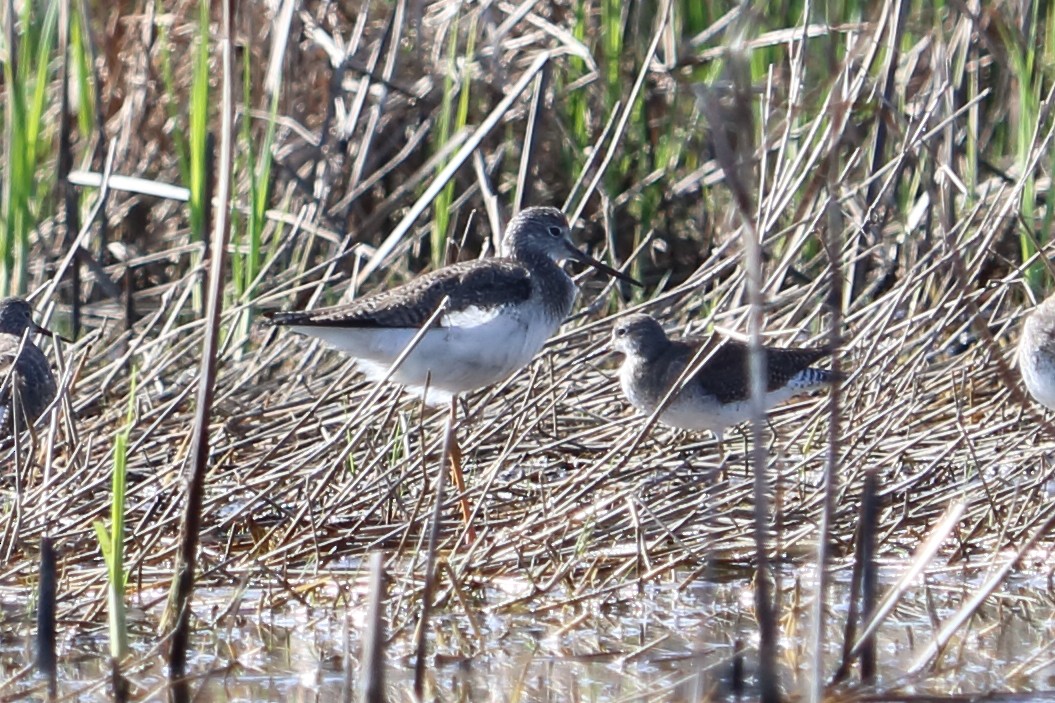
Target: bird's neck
pixel 552 283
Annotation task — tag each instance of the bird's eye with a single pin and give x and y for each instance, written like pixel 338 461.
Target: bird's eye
pixel 555 231
pixel 620 331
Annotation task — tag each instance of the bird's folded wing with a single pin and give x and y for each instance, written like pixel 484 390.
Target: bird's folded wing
pixel 726 377
pixel 482 283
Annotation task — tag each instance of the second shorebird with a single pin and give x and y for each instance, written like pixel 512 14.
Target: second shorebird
pixel 719 394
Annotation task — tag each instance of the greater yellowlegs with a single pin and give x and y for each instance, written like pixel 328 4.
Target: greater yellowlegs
pixel 500 311
pixel 1036 353
pixel 719 394
pixel 26 380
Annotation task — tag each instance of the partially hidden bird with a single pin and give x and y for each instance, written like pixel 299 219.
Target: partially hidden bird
pixel 26 380
pixel 1036 353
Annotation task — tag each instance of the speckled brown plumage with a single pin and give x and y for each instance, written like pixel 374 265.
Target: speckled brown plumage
pixel 499 282
pixel 726 374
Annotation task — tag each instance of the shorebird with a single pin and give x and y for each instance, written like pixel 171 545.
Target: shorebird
pixel 718 395
pixel 1036 353
pixel 26 380
pixel 497 313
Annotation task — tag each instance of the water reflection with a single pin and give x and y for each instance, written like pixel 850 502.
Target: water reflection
pixel 675 641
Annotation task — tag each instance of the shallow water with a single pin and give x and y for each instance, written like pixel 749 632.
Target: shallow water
pixel 669 641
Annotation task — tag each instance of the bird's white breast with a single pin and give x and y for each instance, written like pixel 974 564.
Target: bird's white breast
pixel 693 409
pixel 687 410
pixel 472 348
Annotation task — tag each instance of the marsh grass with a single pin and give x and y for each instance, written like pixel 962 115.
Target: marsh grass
pixel 27 75
pixel 248 233
pixel 454 113
pixel 111 542
pixel 570 496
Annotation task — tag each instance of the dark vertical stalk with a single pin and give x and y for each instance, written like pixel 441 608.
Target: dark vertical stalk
pixel 199 451
pixel 862 598
pixel 765 612
pixel 832 243
pixel 525 178
pixel 46 659
pixel 736 671
pixel 430 559
pixel 373 686
pixel 67 191
pixel 852 612
pixel 874 225
pixel 119 688
pixel 869 571
pixel 197 463
pixel 732 127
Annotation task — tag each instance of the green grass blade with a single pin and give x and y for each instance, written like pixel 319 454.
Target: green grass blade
pixel 111 544
pixel 199 126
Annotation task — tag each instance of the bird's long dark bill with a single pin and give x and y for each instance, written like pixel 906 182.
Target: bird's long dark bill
pixel 587 259
pixel 48 333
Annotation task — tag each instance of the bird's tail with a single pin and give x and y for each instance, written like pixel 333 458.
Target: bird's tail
pixel 812 378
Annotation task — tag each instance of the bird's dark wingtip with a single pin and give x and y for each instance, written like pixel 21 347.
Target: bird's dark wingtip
pixel 277 318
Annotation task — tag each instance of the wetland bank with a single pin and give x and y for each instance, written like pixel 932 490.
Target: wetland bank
pixel 893 167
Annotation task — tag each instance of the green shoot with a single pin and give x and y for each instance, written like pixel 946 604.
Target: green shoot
pixel 111 543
